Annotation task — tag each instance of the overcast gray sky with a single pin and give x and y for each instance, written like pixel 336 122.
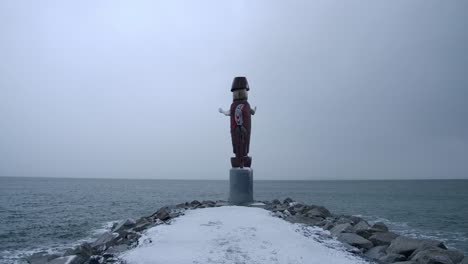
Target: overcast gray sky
pixel 130 89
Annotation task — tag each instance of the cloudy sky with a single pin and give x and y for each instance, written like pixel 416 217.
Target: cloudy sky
pixel 130 89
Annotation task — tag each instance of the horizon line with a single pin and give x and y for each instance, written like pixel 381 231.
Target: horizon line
pixel 165 179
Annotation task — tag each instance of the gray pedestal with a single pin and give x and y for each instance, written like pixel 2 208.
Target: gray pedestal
pixel 241 186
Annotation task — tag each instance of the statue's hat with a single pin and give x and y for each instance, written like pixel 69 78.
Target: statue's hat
pixel 240 83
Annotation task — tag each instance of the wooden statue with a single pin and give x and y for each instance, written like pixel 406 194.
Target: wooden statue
pixel 240 113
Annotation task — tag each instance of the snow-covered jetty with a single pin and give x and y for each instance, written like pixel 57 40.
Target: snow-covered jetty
pixel 264 232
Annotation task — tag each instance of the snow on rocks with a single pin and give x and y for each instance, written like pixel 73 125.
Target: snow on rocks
pixel 266 232
pixel 233 234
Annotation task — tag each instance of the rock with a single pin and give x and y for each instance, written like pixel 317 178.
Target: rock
pixel 464 261
pixel 380 239
pixel 142 226
pixel 276 201
pixel 352 249
pixel 303 220
pixel 73 259
pixel 355 219
pixel 405 262
pixel 361 226
pixel 406 246
pixel 355 240
pixel 95 259
pixel 208 203
pixel 124 225
pixel 341 228
pixel 318 211
pixel 84 250
pixel 376 252
pixel 344 220
pixel 454 255
pixel 432 255
pixel 116 249
pixel 391 258
pixel 195 203
pixel 163 213
pixel 104 241
pixel 220 203
pixel 41 258
pixel 288 200
pixel 365 233
pixel 379 227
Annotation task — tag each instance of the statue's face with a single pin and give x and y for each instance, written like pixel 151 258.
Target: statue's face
pixel 240 94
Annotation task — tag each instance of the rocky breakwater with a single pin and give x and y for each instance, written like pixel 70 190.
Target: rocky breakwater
pixel 375 243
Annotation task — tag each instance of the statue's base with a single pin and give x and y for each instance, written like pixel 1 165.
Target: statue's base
pixel 236 164
pixel 241 186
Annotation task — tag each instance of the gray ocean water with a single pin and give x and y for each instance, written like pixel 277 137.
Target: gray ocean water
pixel 52 214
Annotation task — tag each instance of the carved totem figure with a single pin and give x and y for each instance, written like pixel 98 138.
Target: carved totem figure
pixel 240 113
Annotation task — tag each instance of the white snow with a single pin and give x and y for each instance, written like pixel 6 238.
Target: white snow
pixel 233 234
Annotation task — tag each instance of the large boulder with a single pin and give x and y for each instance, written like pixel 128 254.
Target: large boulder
pixel 341 228
pixel 464 261
pixel 355 240
pixel 376 252
pixel 361 226
pixel 380 239
pixel 124 225
pixel 432 255
pixel 104 241
pixel 379 227
pixel 406 246
pixel 164 213
pixel 391 258
pixel 40 258
pixel 317 211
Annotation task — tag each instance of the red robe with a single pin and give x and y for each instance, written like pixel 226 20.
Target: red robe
pixel 240 127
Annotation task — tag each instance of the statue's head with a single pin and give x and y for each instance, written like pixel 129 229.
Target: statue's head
pixel 240 88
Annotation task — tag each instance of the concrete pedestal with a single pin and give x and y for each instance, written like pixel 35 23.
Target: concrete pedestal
pixel 241 186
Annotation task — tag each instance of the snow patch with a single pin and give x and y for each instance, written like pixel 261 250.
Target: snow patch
pixel 233 234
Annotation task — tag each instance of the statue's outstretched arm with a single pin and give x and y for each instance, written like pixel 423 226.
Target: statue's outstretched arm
pixel 226 113
pixel 252 111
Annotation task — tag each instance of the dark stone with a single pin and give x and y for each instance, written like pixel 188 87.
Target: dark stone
pixel 302 220
pixel 355 219
pixel 288 200
pixel 432 255
pixel 124 225
pixel 391 258
pixel 379 227
pixel 376 252
pixel 276 201
pixel 41 258
pixel 195 202
pixel 406 246
pixel 382 238
pixel 104 241
pixel 435 252
pixel 341 228
pixel 95 260
pixel 163 214
pixel 355 240
pixel 365 233
pixel 361 226
pixel 209 203
pixel 318 211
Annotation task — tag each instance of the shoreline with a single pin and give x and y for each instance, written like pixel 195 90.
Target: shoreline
pixel 373 243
